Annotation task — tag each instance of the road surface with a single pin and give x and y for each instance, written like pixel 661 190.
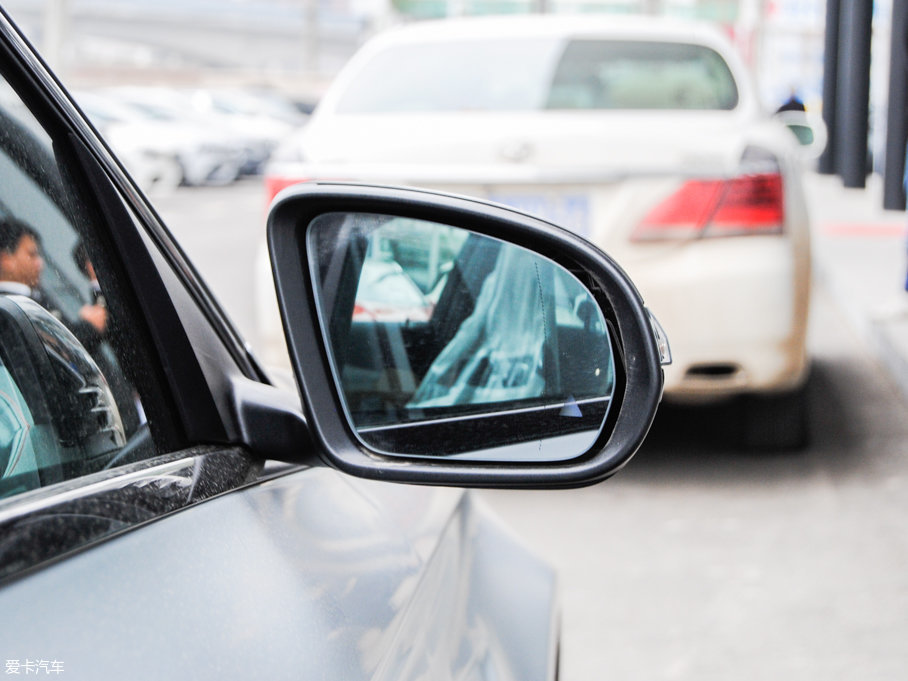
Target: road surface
pixel 699 560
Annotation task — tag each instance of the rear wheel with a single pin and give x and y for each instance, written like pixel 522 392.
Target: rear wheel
pixel 777 422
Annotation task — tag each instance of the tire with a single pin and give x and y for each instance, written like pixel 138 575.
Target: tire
pixel 778 422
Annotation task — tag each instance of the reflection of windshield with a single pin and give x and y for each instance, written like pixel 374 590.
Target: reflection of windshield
pixel 535 74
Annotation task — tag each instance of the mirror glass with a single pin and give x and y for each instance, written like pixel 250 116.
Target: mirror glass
pixel 803 132
pixel 809 130
pixel 445 342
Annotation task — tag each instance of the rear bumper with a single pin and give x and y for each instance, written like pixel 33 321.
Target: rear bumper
pixel 735 312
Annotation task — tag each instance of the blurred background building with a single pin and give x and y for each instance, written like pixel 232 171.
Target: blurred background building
pixel 300 44
pixel 297 46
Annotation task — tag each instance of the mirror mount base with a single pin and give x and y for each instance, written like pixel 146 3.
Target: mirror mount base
pixel 271 423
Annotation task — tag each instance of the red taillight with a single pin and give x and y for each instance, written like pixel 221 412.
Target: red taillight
pixel 749 204
pixel 275 183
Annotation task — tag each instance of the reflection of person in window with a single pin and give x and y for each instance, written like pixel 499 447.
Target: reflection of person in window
pixel 124 394
pixel 96 312
pixel 793 103
pixel 21 265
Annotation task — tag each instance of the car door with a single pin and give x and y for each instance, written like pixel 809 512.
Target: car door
pixel 178 546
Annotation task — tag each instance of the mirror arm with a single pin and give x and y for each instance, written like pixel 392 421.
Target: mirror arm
pixel 271 423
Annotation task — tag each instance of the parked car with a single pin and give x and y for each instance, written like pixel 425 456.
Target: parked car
pixel 152 159
pixel 258 108
pixel 252 135
pixel 159 149
pixel 641 134
pixel 236 530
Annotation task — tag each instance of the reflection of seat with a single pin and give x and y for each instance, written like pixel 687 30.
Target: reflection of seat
pixel 17 452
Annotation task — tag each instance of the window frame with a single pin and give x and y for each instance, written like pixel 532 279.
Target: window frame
pixel 185 409
pixel 191 356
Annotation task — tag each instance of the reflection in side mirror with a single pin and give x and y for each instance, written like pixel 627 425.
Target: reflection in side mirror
pixel 446 342
pixel 803 132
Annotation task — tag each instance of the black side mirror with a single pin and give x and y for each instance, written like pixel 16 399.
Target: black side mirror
pixel 809 131
pixel 447 340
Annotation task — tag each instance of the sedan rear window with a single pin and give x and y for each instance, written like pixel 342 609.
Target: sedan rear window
pixel 539 74
pixel 597 74
pixel 468 75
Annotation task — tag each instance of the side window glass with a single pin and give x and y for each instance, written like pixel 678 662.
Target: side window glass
pixel 67 407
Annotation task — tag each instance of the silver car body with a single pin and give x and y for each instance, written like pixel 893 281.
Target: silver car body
pixel 311 575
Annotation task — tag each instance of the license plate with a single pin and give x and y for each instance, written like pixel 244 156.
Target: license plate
pixel 571 211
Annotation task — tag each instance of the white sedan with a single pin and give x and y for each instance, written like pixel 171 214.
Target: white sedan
pixel 160 151
pixel 645 136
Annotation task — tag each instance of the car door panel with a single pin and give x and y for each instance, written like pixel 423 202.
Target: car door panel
pixel 50 523
pixel 309 575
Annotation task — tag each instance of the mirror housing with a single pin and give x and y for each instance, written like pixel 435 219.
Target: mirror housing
pixel 637 360
pixel 810 132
